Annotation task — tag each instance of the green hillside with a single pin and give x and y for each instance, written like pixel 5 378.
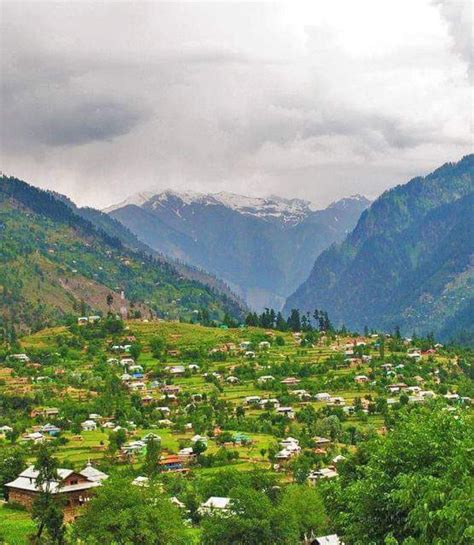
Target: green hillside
pixel 55 263
pixel 408 262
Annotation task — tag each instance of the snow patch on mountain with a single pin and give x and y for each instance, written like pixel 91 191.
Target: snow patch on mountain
pixel 138 199
pixel 288 211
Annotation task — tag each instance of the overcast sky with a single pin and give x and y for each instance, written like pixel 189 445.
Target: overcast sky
pixel 316 100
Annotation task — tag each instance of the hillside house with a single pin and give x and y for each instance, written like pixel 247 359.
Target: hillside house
pixel 88 425
pixel 213 504
pixel 265 378
pixel 267 404
pixel 286 411
pixel 323 473
pixel 172 464
pixel 289 381
pixel 19 357
pixel 73 488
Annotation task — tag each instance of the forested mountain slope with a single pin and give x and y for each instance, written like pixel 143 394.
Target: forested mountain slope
pixel 408 262
pixel 263 248
pixel 114 228
pixel 54 262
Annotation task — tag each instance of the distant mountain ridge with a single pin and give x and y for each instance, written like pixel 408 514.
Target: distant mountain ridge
pixel 408 262
pixel 262 247
pixel 56 263
pixel 288 211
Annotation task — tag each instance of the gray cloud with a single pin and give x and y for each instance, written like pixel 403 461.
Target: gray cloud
pixel 86 122
pixel 100 100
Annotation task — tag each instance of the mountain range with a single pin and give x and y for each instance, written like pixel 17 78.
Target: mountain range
pixel 262 247
pixel 409 262
pixel 57 260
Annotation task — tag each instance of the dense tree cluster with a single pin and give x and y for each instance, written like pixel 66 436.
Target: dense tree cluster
pixel 269 319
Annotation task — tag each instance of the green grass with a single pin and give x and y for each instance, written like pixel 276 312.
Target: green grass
pixel 15 525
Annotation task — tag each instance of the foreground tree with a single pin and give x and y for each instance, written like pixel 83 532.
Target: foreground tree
pixel 308 508
pixel 123 514
pixel 413 487
pixel 253 520
pixel 46 510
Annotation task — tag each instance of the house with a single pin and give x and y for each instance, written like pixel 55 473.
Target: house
pixel 93 474
pixel 50 429
pixel 141 481
pixel 44 411
pixel 250 354
pixel 176 370
pixel 137 386
pixel 172 464
pixel 5 429
pixel 19 357
pixel 361 379
pixel 135 447
pixel 232 380
pixel 73 488
pixel 127 361
pixel 241 438
pixel 265 378
pixel 286 411
pixel 252 400
pixel 338 401
pixel 302 394
pixel 245 345
pixel 186 452
pixel 35 437
pixel 200 438
pixel 284 455
pixel 170 389
pixel 323 473
pixel 264 345
pixel 272 403
pixel 214 503
pixel 290 380
pixel 322 397
pixel 89 425
pixel 289 441
pixel 321 442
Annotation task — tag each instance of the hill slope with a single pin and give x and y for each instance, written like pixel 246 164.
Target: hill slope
pixel 408 262
pixel 115 229
pixel 263 248
pixel 54 262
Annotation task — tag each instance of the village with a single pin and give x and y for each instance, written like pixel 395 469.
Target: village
pixel 105 395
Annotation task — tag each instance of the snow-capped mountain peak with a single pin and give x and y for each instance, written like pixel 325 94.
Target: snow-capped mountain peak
pixel 288 211
pixel 137 199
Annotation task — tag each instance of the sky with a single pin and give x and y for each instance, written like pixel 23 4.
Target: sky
pixel 313 99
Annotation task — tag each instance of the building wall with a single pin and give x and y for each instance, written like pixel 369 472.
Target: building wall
pixel 71 502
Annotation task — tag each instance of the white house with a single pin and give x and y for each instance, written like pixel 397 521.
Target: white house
pixel 265 378
pixel 287 411
pixel 88 425
pixel 215 503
